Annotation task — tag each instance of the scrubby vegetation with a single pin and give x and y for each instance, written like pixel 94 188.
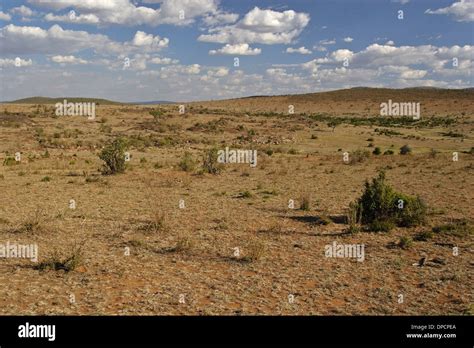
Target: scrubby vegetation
pixel 405 150
pixel 114 157
pixel 67 263
pixel 210 164
pixel 381 207
pixel 358 156
pixel 187 163
pixel 459 228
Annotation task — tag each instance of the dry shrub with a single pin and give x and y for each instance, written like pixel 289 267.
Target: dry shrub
pixel 184 244
pixel 67 261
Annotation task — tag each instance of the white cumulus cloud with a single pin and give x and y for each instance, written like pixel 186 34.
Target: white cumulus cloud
pixel 56 40
pixel 238 49
pixel 68 60
pixel 462 11
pixel 260 26
pixel 5 16
pixel 17 62
pixel 23 11
pixel 300 50
pixel 126 12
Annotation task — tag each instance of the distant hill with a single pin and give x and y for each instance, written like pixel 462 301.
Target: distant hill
pixel 360 93
pixel 152 102
pixel 47 100
pixel 361 101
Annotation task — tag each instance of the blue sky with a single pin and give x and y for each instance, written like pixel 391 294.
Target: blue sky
pixel 184 50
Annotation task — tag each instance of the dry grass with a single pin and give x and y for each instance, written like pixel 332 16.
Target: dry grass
pixel 174 251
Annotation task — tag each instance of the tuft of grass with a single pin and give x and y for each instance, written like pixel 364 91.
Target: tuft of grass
pixel 254 250
pixel 245 194
pixel 423 236
pixel 405 242
pixel 34 223
pixel 157 223
pixel 305 203
pixel 187 163
pixel 184 244
pixel 433 153
pixel 292 151
pixel 67 263
pixel 354 217
pixel 46 179
pixel 457 228
pixel 92 178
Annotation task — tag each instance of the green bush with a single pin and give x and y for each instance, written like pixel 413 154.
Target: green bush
pixel 156 113
pixel 187 163
pixel 381 207
pixel 413 212
pixel 9 161
pixel 377 151
pixel 388 152
pixel 114 157
pixel 405 150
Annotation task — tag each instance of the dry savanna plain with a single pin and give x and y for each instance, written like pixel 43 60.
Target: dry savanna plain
pixel 166 237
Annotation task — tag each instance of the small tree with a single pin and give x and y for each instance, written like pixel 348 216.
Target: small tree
pixel 405 150
pixel 377 151
pixel 210 164
pixel 114 157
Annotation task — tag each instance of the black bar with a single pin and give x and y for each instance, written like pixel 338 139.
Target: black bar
pixel 335 330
